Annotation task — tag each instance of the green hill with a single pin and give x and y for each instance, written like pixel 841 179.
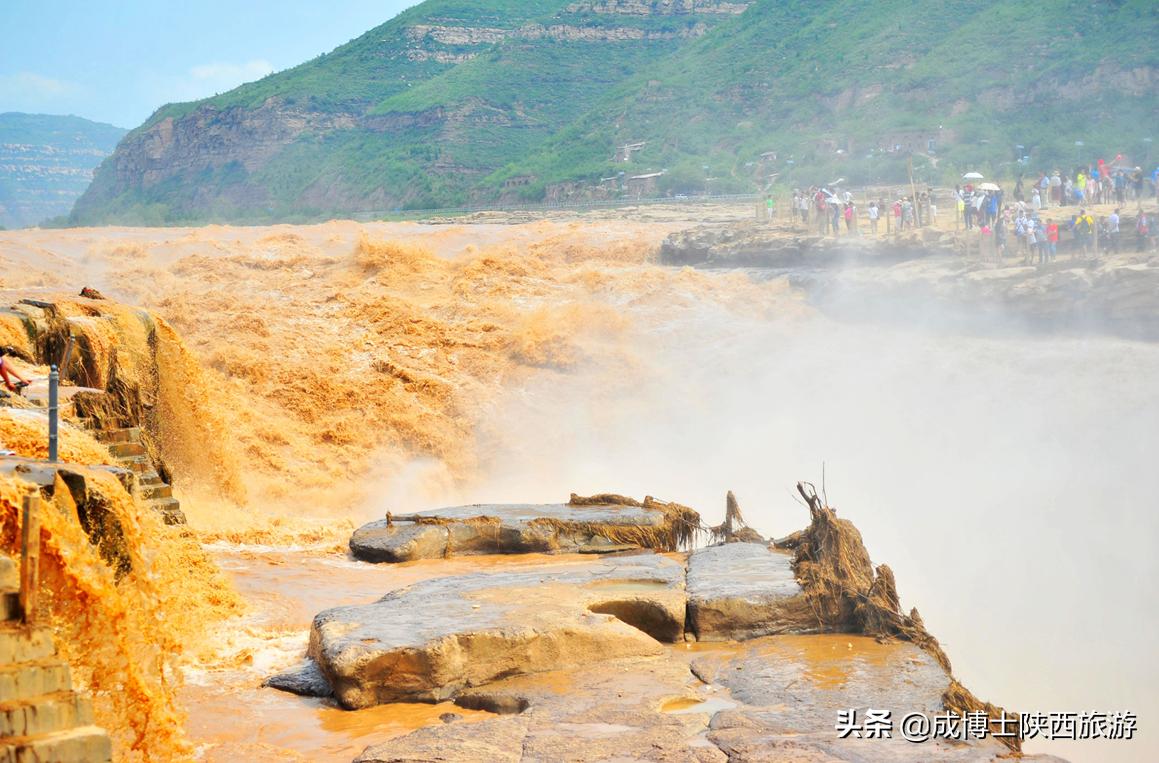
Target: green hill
pixel 456 102
pixel 46 162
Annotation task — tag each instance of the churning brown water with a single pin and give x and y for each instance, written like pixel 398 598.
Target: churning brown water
pixel 1007 478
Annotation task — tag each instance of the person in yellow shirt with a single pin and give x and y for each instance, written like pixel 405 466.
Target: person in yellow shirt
pixel 1084 228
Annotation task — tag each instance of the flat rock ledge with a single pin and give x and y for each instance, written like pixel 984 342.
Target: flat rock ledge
pixel 515 529
pixel 739 591
pixel 433 639
pixel 589 659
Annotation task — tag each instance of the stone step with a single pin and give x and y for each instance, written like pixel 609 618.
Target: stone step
pixel 9 573
pixel 9 607
pixel 128 434
pixel 19 643
pixel 124 449
pixel 138 464
pixel 47 714
pixel 155 492
pixel 32 679
pixel 86 744
pixel 149 478
pixel 169 509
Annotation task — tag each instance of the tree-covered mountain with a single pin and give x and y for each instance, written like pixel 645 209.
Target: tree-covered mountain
pixel 456 102
pixel 46 162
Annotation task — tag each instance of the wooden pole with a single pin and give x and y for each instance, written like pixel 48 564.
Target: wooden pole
pixel 913 189
pixel 30 557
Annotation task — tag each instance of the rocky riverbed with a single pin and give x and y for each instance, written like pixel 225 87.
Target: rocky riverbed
pixel 738 651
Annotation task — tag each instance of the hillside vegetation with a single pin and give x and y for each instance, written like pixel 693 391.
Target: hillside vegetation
pixel 456 102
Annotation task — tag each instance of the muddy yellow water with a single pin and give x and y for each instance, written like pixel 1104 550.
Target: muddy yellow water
pixel 232 718
pixel 233 723
pixel 319 376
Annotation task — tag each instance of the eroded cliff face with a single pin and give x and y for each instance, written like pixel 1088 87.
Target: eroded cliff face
pixel 236 141
pixel 659 7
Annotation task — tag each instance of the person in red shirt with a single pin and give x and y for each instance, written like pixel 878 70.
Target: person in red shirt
pixel 1051 238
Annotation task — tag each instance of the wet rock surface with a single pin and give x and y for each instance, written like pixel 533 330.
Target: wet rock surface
pixel 305 680
pixel 609 711
pixel 744 590
pixel 503 529
pixel 646 656
pixel 771 699
pixel 431 640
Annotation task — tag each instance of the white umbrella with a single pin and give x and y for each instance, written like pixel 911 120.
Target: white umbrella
pixel 988 187
pixel 973 176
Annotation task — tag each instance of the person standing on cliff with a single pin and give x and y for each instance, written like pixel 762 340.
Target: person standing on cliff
pixel 1084 227
pixel 7 371
pixel 874 213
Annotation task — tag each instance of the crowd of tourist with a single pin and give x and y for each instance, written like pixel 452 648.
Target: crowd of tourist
pixel 835 211
pixel 1036 217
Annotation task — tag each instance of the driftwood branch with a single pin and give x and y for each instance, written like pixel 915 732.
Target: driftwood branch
pixel 809 492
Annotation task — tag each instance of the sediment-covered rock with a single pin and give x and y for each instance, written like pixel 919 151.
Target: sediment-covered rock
pixel 435 638
pixel 603 524
pixel 587 660
pixel 305 679
pixel 743 590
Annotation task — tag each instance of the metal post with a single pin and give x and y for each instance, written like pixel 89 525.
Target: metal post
pixel 29 556
pixel 53 413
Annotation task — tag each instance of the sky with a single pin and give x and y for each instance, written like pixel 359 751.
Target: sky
pixel 117 61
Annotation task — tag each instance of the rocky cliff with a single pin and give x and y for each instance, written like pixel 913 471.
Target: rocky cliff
pixel 46 162
pixel 938 275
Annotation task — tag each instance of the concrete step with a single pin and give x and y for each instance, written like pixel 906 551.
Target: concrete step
pixel 85 744
pixel 9 573
pixel 153 492
pixel 123 449
pixel 24 643
pixel 47 714
pixel 27 680
pixel 169 509
pixel 128 434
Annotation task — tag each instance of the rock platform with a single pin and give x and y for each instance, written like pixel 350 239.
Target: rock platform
pixel 512 529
